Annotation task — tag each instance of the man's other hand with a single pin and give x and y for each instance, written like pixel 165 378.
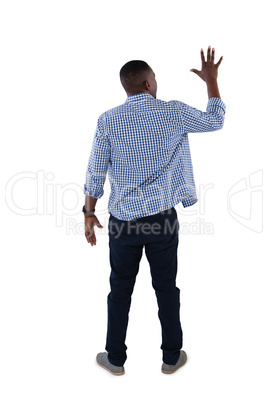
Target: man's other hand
pixel 90 222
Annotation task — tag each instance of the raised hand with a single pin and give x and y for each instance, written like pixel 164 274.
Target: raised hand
pixel 209 70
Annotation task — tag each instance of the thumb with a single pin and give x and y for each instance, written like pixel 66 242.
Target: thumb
pixel 99 225
pixel 195 71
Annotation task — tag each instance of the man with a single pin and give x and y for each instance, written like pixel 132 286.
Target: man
pixel 143 144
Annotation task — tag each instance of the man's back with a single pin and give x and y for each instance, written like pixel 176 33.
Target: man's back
pixel 143 144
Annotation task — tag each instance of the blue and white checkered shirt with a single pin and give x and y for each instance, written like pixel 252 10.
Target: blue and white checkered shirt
pixel 143 144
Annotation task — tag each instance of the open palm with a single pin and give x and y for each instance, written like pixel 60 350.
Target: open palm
pixel 209 71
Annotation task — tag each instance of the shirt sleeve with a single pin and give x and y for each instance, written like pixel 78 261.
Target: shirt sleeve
pixel 98 162
pixel 195 120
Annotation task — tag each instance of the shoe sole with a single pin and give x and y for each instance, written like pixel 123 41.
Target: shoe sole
pixel 171 372
pixel 123 372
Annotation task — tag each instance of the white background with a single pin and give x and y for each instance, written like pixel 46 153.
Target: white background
pixel 60 63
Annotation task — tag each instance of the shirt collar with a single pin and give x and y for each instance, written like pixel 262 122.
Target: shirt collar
pixel 139 97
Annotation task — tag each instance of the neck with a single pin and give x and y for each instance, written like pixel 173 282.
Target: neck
pixel 137 92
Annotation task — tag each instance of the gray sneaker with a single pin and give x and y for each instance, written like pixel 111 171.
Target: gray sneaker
pixel 169 369
pixel 102 360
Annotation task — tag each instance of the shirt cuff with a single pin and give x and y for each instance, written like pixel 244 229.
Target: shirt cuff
pixel 94 192
pixel 216 105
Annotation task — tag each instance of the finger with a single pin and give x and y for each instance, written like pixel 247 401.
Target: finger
pixel 91 241
pixel 202 57
pixel 208 54
pixel 219 62
pixel 94 238
pixel 195 71
pixel 213 55
pixel 88 237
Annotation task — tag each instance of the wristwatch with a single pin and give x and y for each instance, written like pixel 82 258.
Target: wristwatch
pixel 88 212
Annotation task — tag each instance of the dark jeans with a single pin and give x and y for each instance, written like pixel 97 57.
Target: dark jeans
pixel 159 235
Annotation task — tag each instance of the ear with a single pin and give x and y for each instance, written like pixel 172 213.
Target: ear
pixel 147 85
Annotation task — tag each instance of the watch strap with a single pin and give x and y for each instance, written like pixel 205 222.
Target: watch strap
pixel 88 212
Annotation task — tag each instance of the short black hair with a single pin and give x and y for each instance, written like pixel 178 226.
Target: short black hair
pixel 133 67
pixel 131 71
